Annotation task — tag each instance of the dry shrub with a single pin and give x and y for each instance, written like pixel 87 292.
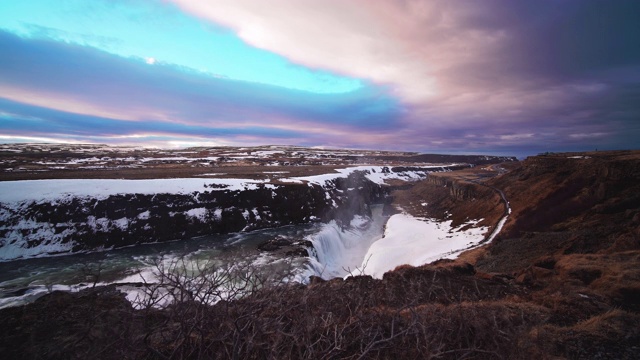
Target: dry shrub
pixel 612 335
pixel 615 276
pixel 414 313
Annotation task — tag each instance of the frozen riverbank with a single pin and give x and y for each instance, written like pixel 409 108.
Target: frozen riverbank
pixel 413 241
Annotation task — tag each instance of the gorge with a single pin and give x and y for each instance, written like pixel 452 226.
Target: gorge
pixel 560 279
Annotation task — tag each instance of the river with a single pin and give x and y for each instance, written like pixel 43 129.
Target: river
pixel 337 251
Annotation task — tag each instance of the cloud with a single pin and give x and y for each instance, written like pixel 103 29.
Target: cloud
pixel 128 95
pixel 466 76
pixel 19 118
pixel 491 67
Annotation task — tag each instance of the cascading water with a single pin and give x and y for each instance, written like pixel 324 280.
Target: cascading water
pixel 340 252
pixel 22 281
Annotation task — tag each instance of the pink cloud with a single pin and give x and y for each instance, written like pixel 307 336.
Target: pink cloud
pixel 468 64
pixel 408 45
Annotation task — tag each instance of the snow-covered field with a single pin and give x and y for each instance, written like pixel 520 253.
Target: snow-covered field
pixel 23 161
pixel 102 157
pixel 413 241
pixel 48 190
pixel 377 174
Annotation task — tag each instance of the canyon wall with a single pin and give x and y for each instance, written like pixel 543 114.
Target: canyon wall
pixel 73 224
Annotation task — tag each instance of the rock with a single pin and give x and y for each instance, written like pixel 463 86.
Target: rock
pixel 274 244
pixel 313 280
pixel 86 224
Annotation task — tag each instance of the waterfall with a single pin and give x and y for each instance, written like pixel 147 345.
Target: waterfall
pixel 338 251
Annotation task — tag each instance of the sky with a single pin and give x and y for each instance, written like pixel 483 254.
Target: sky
pixel 504 77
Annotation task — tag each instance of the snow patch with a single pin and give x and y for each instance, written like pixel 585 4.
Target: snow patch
pixel 291 181
pixel 377 174
pixel 48 190
pixel 122 223
pixel 197 213
pixel 413 241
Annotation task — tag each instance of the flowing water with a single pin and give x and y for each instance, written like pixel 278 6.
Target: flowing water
pixel 337 251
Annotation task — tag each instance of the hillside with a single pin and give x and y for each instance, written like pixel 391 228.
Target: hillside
pixel 572 240
pixel 561 280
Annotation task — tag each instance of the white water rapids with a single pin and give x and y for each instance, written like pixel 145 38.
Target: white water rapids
pixel 340 252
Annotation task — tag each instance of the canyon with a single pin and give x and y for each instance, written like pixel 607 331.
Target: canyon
pixel 561 279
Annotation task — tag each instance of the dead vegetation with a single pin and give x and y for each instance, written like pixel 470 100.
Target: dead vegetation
pixel 412 313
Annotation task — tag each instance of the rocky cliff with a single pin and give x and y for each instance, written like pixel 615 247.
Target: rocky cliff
pixel 570 193
pixel 448 195
pixel 73 223
pixel 458 190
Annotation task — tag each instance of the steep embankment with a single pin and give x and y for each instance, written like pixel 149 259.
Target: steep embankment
pixel 568 204
pixel 47 217
pixel 574 239
pixel 440 217
pixel 575 228
pixel 455 196
pixel 143 211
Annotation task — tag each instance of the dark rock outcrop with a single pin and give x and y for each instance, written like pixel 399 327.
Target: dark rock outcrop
pixel 74 224
pixel 86 224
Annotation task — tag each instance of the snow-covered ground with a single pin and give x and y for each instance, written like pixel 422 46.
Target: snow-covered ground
pixel 47 190
pixel 87 156
pixel 414 241
pixel 377 174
